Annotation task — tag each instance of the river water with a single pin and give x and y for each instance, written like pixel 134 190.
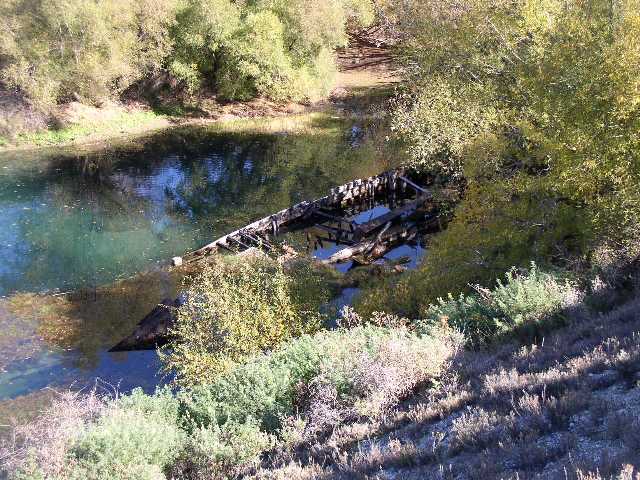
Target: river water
pixel 103 225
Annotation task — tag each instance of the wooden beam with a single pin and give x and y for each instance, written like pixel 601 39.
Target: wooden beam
pixel 366 229
pixel 414 185
pixel 339 197
pixel 386 241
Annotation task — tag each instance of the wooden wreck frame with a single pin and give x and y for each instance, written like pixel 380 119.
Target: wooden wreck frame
pixel 413 217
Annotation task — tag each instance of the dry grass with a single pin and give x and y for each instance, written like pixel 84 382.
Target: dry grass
pixel 566 408
pixel 17 116
pixel 45 441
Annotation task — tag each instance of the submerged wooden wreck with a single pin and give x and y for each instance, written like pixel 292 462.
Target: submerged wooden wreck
pixel 412 213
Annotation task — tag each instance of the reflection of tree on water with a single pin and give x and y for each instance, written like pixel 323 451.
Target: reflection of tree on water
pixel 87 321
pixel 95 217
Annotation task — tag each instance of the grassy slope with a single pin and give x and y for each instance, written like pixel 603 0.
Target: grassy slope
pixel 101 127
pixel 559 410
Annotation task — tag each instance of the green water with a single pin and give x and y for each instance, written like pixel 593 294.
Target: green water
pixel 72 220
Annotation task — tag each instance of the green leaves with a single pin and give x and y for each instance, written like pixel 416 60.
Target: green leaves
pixel 522 304
pixel 536 105
pixel 235 310
pixel 59 50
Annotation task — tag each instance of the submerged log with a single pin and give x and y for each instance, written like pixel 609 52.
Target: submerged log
pixel 395 215
pixel 389 238
pixel 377 247
pixel 153 330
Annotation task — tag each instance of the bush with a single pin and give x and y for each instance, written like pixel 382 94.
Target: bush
pixel 369 367
pixel 135 437
pixel 524 304
pixel 216 452
pixel 255 62
pixel 233 310
pixel 200 31
pixel 88 436
pixel 60 50
pixel 40 448
pixel 219 429
pixel 312 26
pixel 435 128
pixel 533 107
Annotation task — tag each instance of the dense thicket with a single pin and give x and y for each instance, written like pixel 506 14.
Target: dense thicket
pixel 53 51
pixel 535 105
pixel 237 309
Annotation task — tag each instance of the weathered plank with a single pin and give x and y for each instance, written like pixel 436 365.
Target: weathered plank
pixel 417 187
pixel 386 239
pixel 339 197
pixel 367 228
pixel 389 238
pixel 153 330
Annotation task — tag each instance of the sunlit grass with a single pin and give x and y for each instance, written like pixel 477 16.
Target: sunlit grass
pixel 116 124
pixel 314 123
pixel 97 129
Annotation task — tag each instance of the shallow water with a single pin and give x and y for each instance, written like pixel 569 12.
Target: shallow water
pixel 79 222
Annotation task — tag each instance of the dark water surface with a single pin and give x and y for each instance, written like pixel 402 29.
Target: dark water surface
pixel 86 221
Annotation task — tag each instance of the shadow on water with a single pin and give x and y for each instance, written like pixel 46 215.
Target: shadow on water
pixel 87 222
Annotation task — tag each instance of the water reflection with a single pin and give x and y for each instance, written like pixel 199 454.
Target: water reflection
pixel 89 220
pixel 81 222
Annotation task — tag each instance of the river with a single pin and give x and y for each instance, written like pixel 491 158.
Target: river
pixel 103 224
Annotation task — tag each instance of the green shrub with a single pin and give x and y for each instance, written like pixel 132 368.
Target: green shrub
pixel 64 49
pixel 60 50
pixel 255 62
pixel 201 30
pixel 215 452
pixel 86 436
pixel 524 304
pixel 268 388
pixel 217 429
pixel 535 104
pixel 434 127
pixel 311 26
pixel 137 436
pixel 235 309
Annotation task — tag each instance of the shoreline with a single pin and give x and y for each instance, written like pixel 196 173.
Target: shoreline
pixel 92 128
pixel 103 134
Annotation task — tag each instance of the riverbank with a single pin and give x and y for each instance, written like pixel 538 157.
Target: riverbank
pixel 85 215
pixel 365 76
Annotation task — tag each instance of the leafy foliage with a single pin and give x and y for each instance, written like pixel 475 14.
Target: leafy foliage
pixel 522 305
pixel 266 388
pixel 55 51
pixel 532 87
pixel 217 429
pixel 136 437
pixel 79 49
pixel 256 61
pixel 533 107
pixel 235 310
pixel 201 29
